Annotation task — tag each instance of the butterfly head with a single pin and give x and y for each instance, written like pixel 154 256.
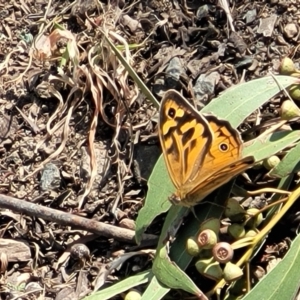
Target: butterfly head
pixel 175 199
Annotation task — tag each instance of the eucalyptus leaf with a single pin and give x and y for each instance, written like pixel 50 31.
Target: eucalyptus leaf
pixel 283 281
pixel 122 286
pixel 171 275
pixel 239 101
pixel 165 271
pixel 155 290
pixel 160 188
pixel 285 168
pixel 263 147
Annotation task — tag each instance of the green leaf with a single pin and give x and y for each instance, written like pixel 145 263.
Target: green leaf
pixel 283 281
pixel 171 275
pixel 122 286
pixel 264 147
pixel 164 269
pixel 160 188
pixel 289 164
pixel 171 224
pixel 239 101
pixel 155 290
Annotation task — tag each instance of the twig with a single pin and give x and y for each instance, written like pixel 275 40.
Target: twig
pixel 50 214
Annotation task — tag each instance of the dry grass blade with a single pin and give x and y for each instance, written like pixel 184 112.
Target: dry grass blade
pixel 97 94
pixel 225 6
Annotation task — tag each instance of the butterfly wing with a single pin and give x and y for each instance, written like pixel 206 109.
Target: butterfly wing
pixel 201 152
pixel 222 162
pixel 226 148
pixel 216 180
pixel 185 137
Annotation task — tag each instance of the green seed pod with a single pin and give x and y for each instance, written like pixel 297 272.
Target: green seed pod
pixel 232 272
pixel 202 264
pixel 212 224
pixel 287 67
pixel 236 231
pixel 294 92
pixel 251 233
pixel 234 210
pixel 222 252
pixel 256 218
pixel 207 239
pixel 192 247
pixel 271 162
pixel 209 269
pixel 133 295
pixel 289 110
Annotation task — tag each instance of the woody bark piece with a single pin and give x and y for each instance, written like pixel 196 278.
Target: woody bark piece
pixel 15 250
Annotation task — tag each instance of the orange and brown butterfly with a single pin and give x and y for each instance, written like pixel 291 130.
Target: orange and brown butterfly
pixel 201 152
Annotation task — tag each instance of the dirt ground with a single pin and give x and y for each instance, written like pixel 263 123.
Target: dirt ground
pixel 79 139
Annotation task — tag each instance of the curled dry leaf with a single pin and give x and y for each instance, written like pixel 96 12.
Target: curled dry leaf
pixel 45 46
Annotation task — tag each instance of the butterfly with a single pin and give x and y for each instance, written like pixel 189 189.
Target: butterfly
pixel 201 152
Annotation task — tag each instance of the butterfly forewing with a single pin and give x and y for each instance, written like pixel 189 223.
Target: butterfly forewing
pixel 180 127
pixel 201 152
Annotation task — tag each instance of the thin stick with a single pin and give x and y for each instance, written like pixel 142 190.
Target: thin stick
pixel 50 214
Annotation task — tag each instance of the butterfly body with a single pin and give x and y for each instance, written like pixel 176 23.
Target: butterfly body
pixel 201 152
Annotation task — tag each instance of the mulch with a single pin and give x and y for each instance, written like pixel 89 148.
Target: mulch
pixel 78 139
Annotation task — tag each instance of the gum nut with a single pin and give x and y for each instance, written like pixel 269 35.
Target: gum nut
pixel 251 233
pixel 192 247
pixel 271 162
pixel 289 110
pixel 294 92
pixel 212 270
pixel 232 272
pixel 133 295
pixel 213 224
pixel 287 66
pixel 201 264
pixel 236 231
pixel 207 239
pixel 222 252
pixel 255 219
